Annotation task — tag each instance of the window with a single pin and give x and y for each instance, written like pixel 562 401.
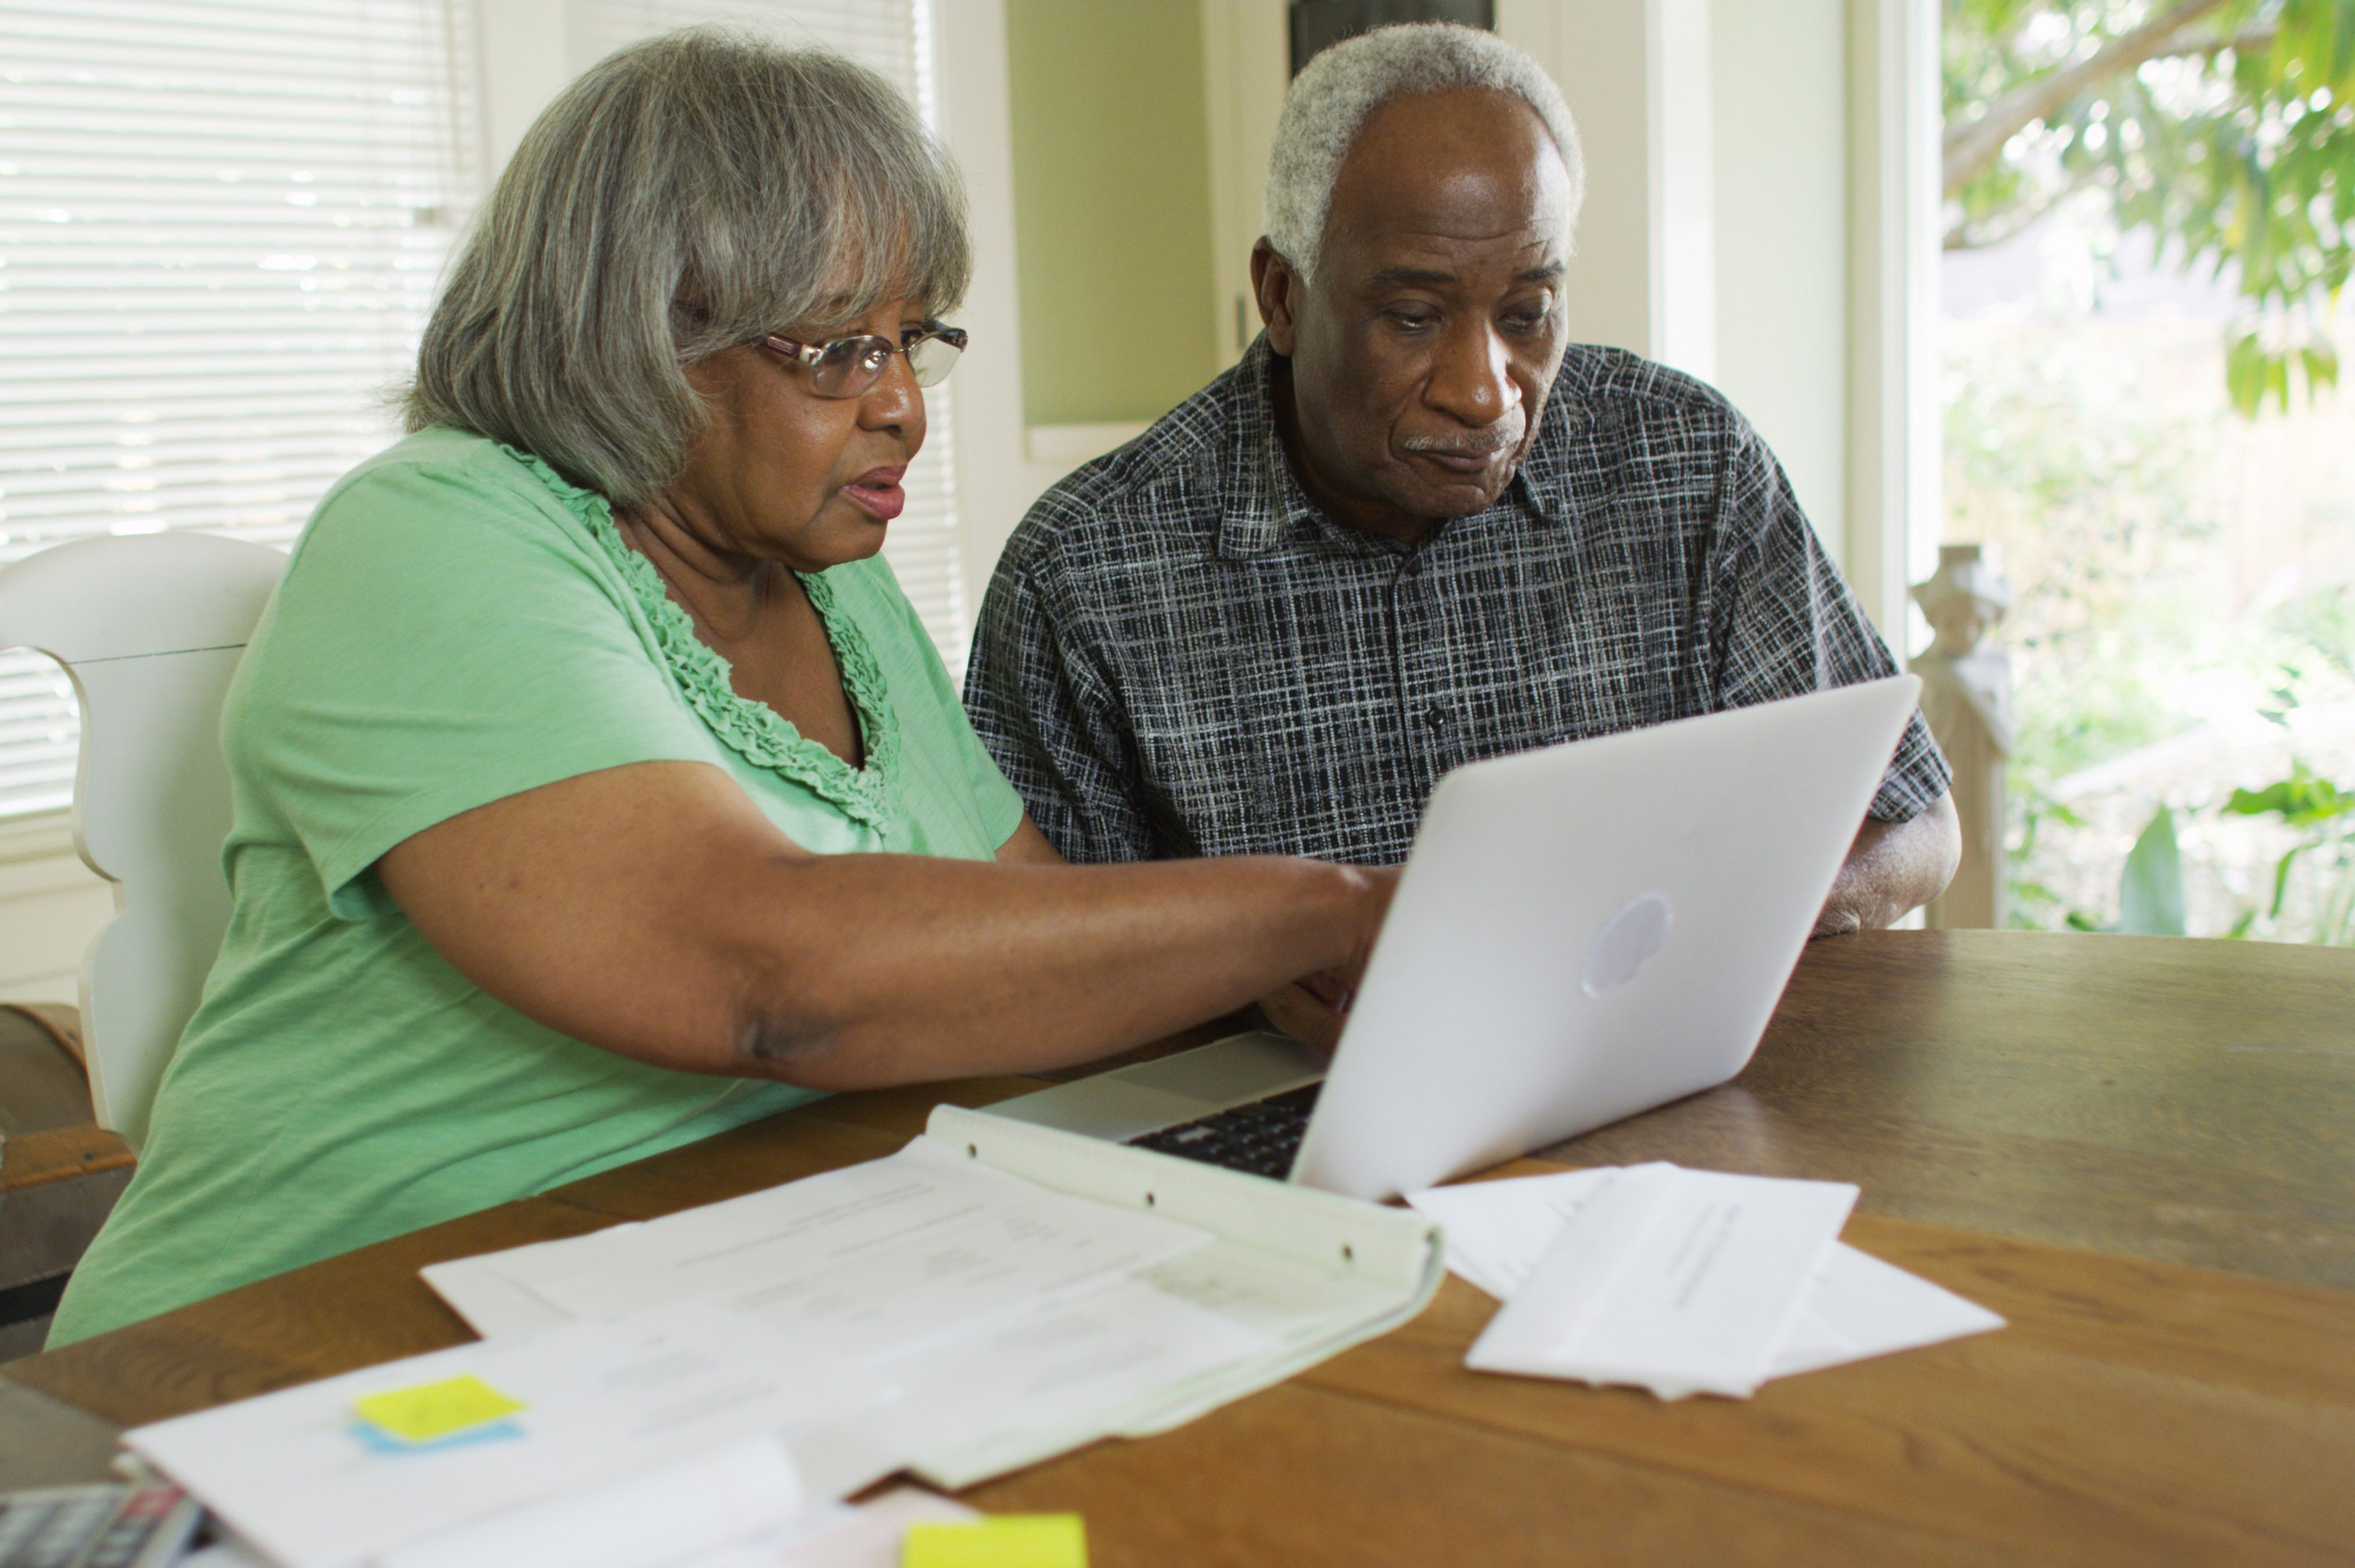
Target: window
pixel 2140 353
pixel 220 228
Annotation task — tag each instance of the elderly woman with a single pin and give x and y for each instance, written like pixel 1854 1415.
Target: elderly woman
pixel 596 788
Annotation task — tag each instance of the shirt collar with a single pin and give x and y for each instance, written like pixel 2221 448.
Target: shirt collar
pixel 1545 481
pixel 1261 503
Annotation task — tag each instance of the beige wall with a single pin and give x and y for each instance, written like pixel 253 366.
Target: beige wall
pixel 1112 207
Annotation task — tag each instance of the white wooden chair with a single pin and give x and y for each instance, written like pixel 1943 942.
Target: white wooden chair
pixel 149 627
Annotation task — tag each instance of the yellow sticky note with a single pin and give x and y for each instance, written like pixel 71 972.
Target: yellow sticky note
pixel 432 1410
pixel 1006 1541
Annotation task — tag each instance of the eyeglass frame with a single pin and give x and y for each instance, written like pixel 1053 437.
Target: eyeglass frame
pixel 812 356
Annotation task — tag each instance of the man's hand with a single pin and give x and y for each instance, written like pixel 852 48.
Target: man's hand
pixel 1893 867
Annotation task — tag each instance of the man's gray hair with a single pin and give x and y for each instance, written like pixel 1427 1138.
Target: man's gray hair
pixel 686 195
pixel 1333 98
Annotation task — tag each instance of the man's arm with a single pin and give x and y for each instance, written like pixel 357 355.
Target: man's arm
pixel 1789 625
pixel 1892 868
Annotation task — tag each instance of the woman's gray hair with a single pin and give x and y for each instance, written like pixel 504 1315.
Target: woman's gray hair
pixel 1332 99
pixel 688 194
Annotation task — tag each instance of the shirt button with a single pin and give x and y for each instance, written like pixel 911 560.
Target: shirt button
pixel 1435 716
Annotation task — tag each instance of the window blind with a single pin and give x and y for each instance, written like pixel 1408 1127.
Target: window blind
pixel 894 39
pixel 221 223
pixel 220 228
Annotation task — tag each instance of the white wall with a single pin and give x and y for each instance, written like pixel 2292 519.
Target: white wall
pixel 1779 73
pixel 1246 65
pixel 521 62
pixel 1761 196
pixel 1892 405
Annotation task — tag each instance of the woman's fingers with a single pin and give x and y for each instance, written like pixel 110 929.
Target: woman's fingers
pixel 1308 1017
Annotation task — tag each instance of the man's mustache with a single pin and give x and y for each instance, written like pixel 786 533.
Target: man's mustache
pixel 1502 436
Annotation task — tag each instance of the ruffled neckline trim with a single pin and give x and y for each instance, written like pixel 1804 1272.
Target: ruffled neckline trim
pixel 755 731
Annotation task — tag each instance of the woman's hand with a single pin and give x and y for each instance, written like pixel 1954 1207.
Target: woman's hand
pixel 1313 1009
pixel 1310 1008
pixel 1312 1015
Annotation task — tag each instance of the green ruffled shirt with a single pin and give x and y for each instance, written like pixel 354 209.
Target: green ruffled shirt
pixel 458 625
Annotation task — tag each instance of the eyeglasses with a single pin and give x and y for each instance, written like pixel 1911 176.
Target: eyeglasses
pixel 849 365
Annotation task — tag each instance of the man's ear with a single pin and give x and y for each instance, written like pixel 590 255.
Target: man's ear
pixel 1278 288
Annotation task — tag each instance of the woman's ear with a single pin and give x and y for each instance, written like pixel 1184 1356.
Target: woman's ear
pixel 1277 288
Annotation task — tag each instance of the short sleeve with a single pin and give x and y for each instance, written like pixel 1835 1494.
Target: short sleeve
pixel 445 638
pixel 1053 728
pixel 1788 624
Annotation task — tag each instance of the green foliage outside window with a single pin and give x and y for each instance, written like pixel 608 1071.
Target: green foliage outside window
pixel 2226 128
pixel 2104 500
pixel 2324 815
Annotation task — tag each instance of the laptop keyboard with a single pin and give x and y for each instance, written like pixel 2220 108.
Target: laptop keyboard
pixel 1261 1137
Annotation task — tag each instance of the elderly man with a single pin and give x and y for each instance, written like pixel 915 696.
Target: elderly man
pixel 1411 527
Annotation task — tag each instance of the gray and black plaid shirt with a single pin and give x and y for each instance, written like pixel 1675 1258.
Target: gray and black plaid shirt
pixel 1180 655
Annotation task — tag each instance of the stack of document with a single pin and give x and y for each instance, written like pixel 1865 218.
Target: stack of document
pixel 992 1295
pixel 996 1293
pixel 1680 1281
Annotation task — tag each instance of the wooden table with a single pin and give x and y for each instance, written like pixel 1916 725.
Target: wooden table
pixel 2141 1150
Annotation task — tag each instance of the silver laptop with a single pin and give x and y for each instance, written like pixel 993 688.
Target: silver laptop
pixel 1582 933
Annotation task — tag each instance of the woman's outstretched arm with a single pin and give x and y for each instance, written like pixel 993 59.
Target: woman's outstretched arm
pixel 654 911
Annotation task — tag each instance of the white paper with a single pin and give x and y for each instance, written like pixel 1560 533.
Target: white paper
pixel 1495 1231
pixel 1294 1304
pixel 829 1535
pixel 681 1511
pixel 1864 1307
pixel 842 1536
pixel 296 1475
pixel 685 1379
pixel 971 1320
pixel 1680 1281
pixel 1861 1306
pixel 917 1282
pixel 872 1260
pixel 489 1297
pixel 226 1553
pixel 1078 1366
